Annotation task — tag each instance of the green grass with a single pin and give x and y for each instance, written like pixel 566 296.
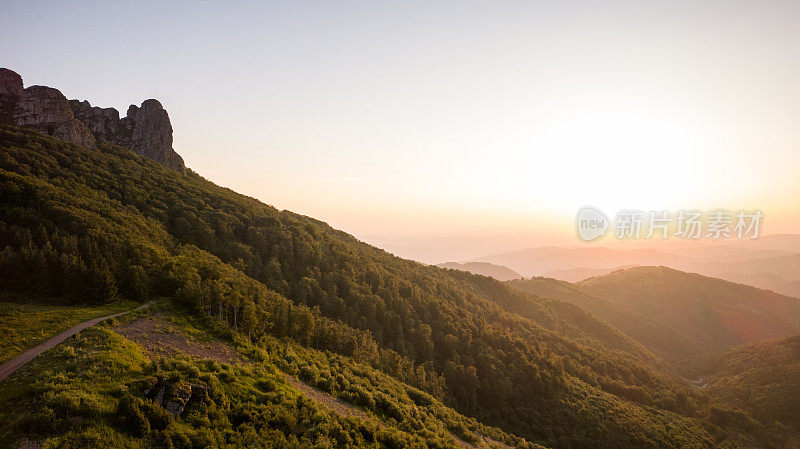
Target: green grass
pixel 90 392
pixel 25 325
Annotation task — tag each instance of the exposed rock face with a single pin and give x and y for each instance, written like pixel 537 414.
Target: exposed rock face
pixel 146 130
pixel 103 123
pixel 10 83
pixel 47 110
pixel 175 396
pixel 10 91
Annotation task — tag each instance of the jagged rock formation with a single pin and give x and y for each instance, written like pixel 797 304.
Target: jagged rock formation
pixel 146 129
pixel 103 123
pixel 10 91
pixel 47 110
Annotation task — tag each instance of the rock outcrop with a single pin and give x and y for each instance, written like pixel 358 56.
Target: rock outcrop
pixel 146 129
pixel 175 395
pixel 45 109
pixel 10 91
pixel 103 123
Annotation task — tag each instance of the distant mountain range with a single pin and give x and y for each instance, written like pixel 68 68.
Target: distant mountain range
pixel 498 272
pixel 770 262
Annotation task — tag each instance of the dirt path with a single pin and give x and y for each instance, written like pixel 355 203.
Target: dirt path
pixel 17 362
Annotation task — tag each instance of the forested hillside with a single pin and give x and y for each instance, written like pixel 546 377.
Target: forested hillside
pixel 88 225
pixel 714 314
pixel 665 341
pixel 106 388
pixel 681 317
pixel 762 377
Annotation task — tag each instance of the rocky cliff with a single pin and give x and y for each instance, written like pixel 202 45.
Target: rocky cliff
pixel 145 129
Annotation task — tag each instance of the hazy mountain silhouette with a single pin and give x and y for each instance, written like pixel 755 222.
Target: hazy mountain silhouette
pixel 498 272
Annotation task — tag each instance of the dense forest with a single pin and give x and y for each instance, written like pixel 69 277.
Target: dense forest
pixel 762 377
pixel 89 225
pixel 684 318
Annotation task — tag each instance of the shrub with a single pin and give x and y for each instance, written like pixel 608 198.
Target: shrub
pixel 131 416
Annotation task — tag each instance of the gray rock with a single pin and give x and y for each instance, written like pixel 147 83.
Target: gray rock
pixel 10 91
pixel 10 83
pixel 146 130
pixel 47 110
pixel 103 122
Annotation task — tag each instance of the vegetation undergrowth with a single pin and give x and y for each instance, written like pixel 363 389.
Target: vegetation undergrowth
pixel 25 323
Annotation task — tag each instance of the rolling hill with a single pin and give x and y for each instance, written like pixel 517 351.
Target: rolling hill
pixel 714 314
pixel 498 272
pixel 581 273
pixel 664 341
pixel 780 274
pixel 677 315
pixel 539 261
pixel 768 262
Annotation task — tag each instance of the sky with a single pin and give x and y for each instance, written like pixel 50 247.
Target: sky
pixel 471 127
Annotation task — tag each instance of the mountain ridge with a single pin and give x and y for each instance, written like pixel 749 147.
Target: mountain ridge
pixel 145 129
pixel 498 272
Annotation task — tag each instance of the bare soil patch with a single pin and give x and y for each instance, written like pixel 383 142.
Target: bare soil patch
pixel 333 403
pixel 160 338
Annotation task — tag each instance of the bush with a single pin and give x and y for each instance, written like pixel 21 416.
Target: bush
pixel 131 416
pixel 159 418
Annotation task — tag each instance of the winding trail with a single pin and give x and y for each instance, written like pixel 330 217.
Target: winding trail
pixel 17 362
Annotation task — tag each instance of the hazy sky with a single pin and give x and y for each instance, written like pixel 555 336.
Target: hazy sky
pixel 495 120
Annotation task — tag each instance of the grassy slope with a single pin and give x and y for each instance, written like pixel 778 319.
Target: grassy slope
pixel 71 397
pixel 24 325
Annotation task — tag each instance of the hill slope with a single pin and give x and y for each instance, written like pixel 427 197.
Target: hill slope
pixel 161 380
pixel 762 377
pixel 780 274
pixel 713 313
pixel 89 224
pixel 663 340
pixel 498 272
